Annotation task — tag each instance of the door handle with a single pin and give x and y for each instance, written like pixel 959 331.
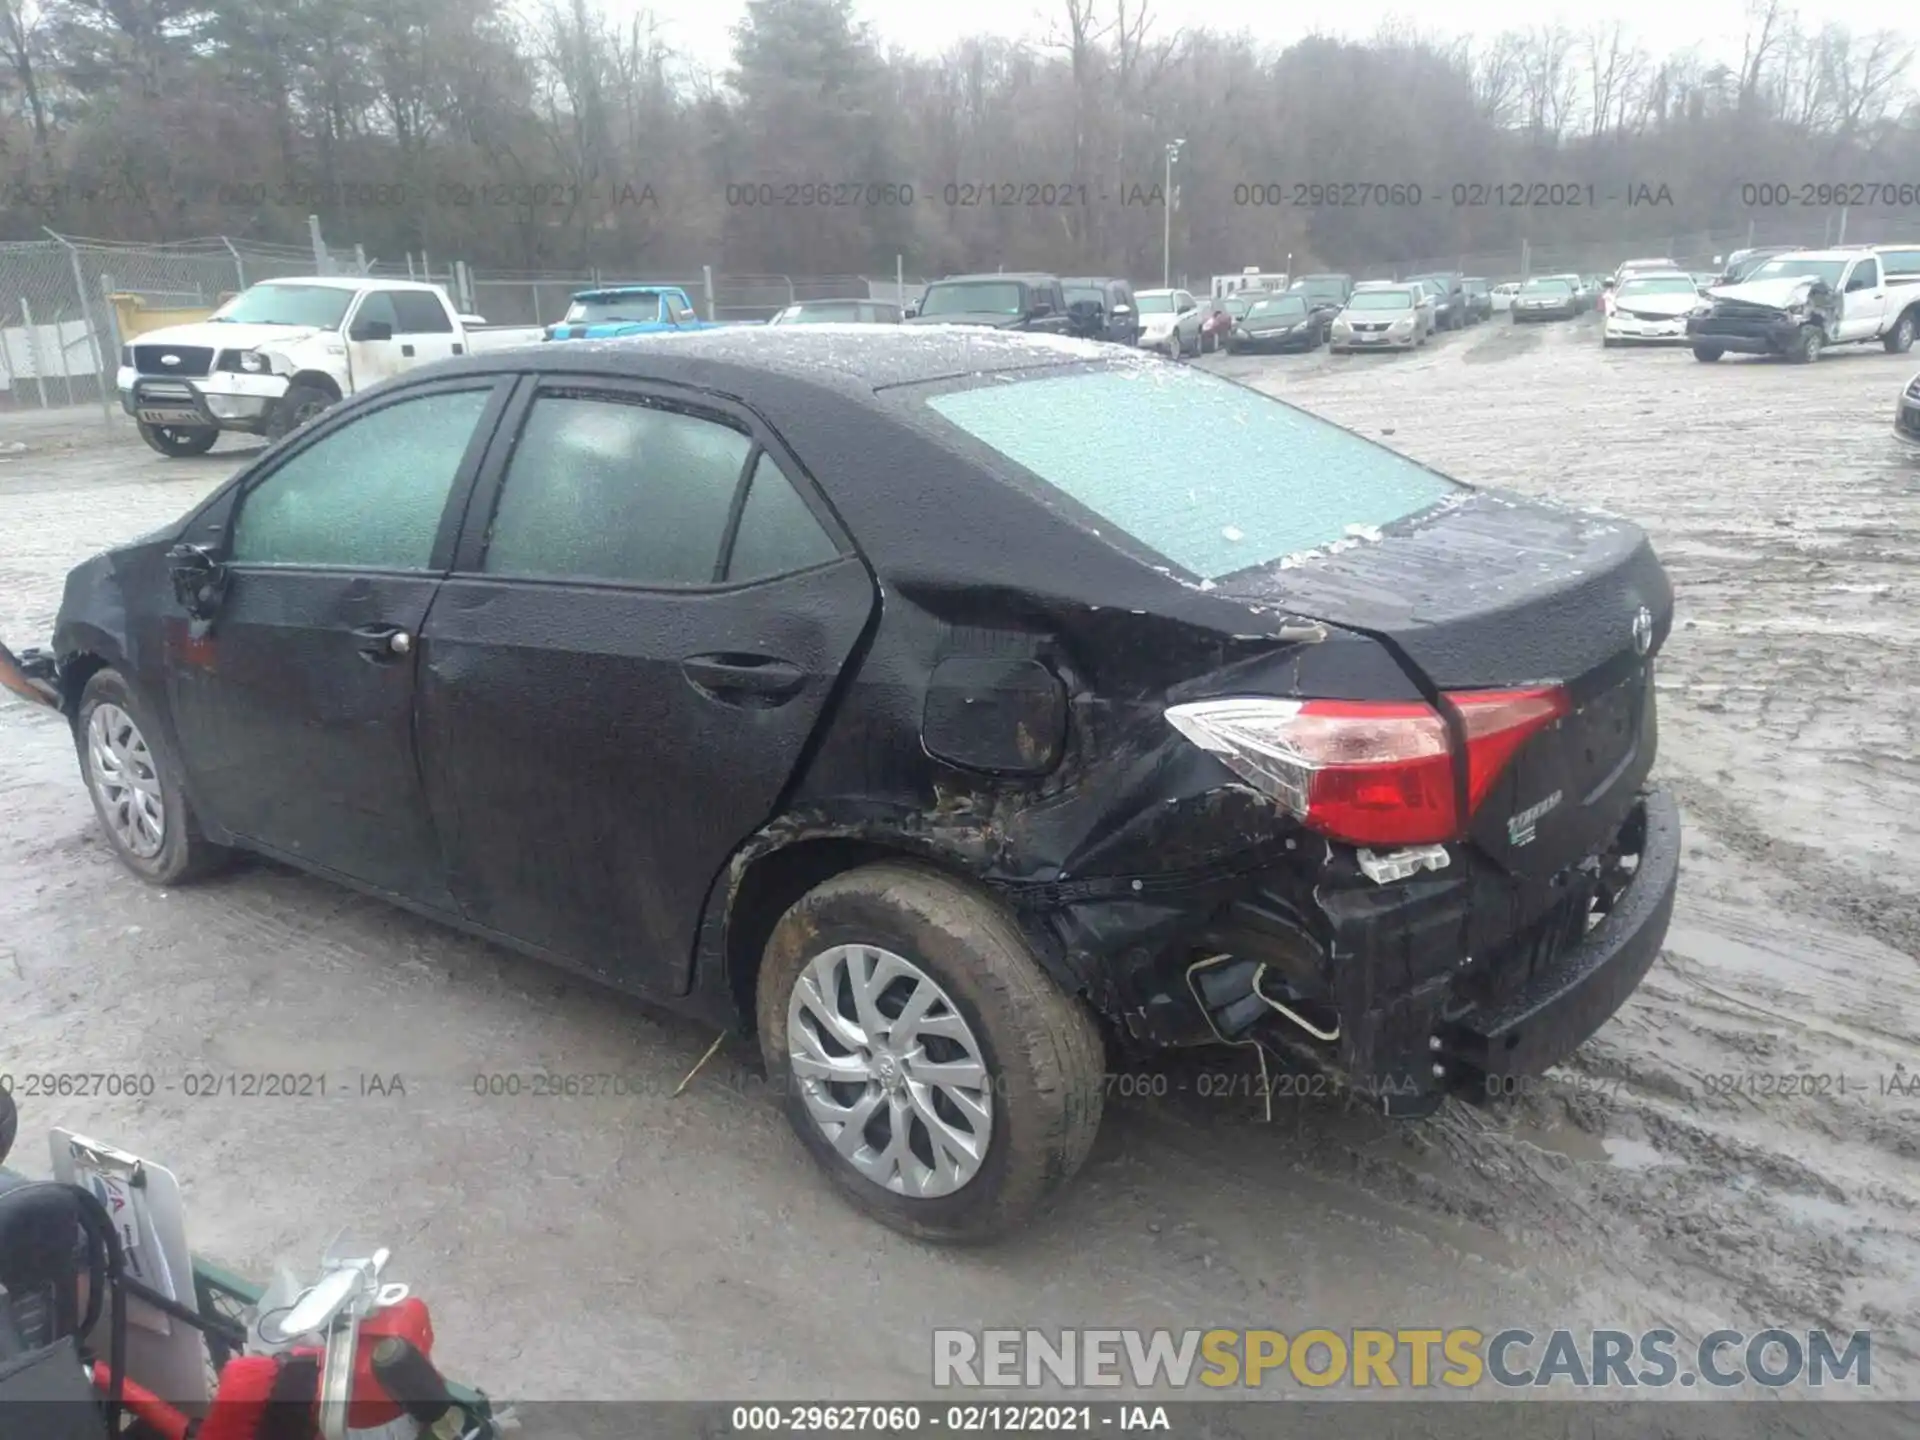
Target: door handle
pixel 382 641
pixel 754 675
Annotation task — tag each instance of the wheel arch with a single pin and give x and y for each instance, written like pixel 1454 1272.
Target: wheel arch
pixel 316 380
pixel 772 871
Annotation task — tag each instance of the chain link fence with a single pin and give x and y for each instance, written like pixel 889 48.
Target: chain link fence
pixel 63 298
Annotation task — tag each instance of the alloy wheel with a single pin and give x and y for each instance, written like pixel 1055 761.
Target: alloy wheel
pixel 126 781
pixel 890 1071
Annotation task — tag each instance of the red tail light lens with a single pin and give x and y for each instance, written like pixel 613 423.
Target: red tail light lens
pixel 1378 774
pixel 1498 723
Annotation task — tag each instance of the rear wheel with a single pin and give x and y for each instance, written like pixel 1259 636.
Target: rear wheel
pixel 1806 345
pixel 1707 352
pixel 1899 340
pixel 137 789
pixel 179 440
pixel 946 1084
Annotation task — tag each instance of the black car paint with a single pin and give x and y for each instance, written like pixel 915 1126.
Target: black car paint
pixel 1121 848
pixel 1265 333
pixel 1036 290
pixel 1093 321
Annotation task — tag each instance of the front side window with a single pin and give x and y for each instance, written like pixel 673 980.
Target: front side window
pixel 1866 275
pixel 677 309
pixel 368 495
pixel 609 489
pixel 376 309
pixel 1252 479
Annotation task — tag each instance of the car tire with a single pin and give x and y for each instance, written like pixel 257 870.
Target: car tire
pixel 1899 340
pixel 1606 342
pixel 297 407
pixel 1707 353
pixel 1806 345
pixel 1037 1048
pixel 178 441
pixel 137 787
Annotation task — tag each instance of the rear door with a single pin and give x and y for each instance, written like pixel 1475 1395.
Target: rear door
pixel 425 332
pixel 649 612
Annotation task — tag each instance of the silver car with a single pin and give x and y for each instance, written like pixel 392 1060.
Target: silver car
pixel 1396 317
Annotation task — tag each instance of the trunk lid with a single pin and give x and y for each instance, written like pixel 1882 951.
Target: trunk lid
pixel 1495 592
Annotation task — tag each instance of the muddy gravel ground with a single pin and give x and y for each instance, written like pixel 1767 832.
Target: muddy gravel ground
pixel 1733 1150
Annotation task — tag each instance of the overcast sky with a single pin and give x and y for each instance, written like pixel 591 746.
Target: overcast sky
pixel 700 27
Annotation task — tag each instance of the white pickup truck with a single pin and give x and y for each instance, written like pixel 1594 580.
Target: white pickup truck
pixel 280 352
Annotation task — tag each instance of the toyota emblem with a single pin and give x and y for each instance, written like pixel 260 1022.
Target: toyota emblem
pixel 169 359
pixel 1643 631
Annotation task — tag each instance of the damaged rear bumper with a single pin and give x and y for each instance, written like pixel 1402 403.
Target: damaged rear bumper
pixel 1441 981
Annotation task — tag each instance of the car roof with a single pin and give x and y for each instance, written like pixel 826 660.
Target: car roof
pixel 1031 277
pixel 1161 290
pixel 1092 280
pixel 351 282
pixel 615 292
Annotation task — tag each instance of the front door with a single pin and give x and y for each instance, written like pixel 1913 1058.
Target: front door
pixel 1863 301
pixel 373 340
pixel 641 633
pixel 295 714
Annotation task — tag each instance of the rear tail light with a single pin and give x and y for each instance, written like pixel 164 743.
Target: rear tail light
pixel 1370 773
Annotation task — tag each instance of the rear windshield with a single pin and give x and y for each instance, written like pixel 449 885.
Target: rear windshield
pixel 1213 476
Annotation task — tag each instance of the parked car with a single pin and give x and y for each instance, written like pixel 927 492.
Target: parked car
pixel 1002 302
pixel 1583 298
pixel 1742 263
pixel 1331 288
pixel 1502 295
pixel 1281 322
pixel 1545 297
pixel 1798 305
pixel 436 645
pixel 1170 320
pixel 624 310
pixel 857 311
pixel 1102 308
pixel 1450 308
pixel 1649 308
pixel 1906 414
pixel 280 352
pixel 1393 317
pixel 1479 297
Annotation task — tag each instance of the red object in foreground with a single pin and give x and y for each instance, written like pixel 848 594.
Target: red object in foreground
pixel 153 1412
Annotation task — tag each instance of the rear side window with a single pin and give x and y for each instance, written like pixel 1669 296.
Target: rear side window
pixel 1213 476
pixel 777 532
pixel 608 489
pixel 1901 264
pixel 420 314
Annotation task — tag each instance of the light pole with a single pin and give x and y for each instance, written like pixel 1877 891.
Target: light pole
pixel 1166 250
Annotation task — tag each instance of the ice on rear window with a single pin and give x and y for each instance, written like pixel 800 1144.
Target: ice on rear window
pixel 1215 477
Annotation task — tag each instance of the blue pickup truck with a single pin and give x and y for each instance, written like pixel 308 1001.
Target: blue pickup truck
pixel 628 310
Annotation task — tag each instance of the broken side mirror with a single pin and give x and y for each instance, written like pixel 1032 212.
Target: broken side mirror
pixel 199 580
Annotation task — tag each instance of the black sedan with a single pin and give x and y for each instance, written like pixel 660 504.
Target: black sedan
pixel 1280 322
pixel 938 703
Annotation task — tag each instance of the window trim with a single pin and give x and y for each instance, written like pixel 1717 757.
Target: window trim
pixel 222 509
pixel 470 550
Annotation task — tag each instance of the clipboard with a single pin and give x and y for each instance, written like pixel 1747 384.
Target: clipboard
pixel 143 1200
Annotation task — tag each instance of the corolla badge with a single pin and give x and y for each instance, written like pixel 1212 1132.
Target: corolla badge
pixel 1643 631
pixel 1520 829
pixel 169 359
